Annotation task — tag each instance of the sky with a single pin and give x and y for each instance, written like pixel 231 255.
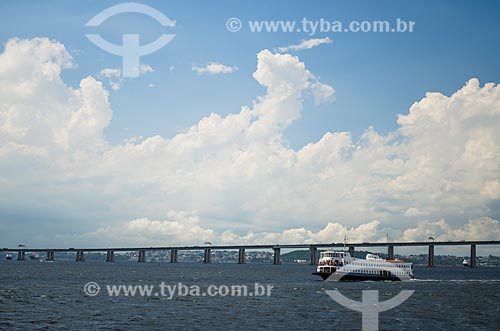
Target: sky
pixel 250 137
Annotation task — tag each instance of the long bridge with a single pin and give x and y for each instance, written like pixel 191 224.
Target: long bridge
pixel 207 249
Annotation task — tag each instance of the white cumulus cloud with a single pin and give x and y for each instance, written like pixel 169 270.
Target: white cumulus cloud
pixel 306 44
pixel 183 228
pixel 38 112
pixel 114 75
pixel 213 68
pixel 59 175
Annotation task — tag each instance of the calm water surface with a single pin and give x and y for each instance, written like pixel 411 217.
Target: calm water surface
pixel 49 296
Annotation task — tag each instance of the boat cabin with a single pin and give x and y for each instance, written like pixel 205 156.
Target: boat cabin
pixel 334 254
pixel 334 258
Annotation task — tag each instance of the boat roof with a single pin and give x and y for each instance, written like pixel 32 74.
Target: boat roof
pixel 344 252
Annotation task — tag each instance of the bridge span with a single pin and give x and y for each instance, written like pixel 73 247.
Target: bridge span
pixel 207 249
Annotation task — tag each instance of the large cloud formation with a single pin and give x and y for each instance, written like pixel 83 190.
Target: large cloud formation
pixel 234 178
pixel 181 228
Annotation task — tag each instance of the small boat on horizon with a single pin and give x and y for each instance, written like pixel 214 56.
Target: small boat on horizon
pixel 466 262
pixel 8 256
pixel 340 266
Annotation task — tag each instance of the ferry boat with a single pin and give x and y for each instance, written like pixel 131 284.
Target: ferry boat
pixel 341 266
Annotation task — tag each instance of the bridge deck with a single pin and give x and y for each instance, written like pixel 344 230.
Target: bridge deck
pixel 256 247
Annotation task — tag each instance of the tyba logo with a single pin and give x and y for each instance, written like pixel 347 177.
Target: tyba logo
pixel 130 50
pixel 369 306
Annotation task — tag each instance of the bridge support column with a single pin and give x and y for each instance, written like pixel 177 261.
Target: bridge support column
pixel 351 250
pixel 430 262
pixel 390 252
pixel 241 256
pixel 141 256
pixel 110 256
pixel 21 256
pixel 173 256
pixel 79 256
pixel 314 255
pixel 206 256
pixel 50 256
pixel 277 255
pixel 473 255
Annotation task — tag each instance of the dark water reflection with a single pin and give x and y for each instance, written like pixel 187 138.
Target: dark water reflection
pixel 49 296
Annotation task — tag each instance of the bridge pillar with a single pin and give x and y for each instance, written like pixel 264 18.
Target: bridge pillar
pixel 141 256
pixel 277 255
pixel 390 252
pixel 473 255
pixel 110 256
pixel 430 262
pixel 79 256
pixel 21 256
pixel 314 255
pixel 206 256
pixel 241 256
pixel 50 256
pixel 173 256
pixel 351 250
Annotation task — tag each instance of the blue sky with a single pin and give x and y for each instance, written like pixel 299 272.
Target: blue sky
pixel 348 161
pixel 376 75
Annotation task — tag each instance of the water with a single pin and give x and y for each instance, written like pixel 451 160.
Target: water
pixel 49 296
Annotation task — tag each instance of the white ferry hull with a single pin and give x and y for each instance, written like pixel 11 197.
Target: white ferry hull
pixel 341 267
